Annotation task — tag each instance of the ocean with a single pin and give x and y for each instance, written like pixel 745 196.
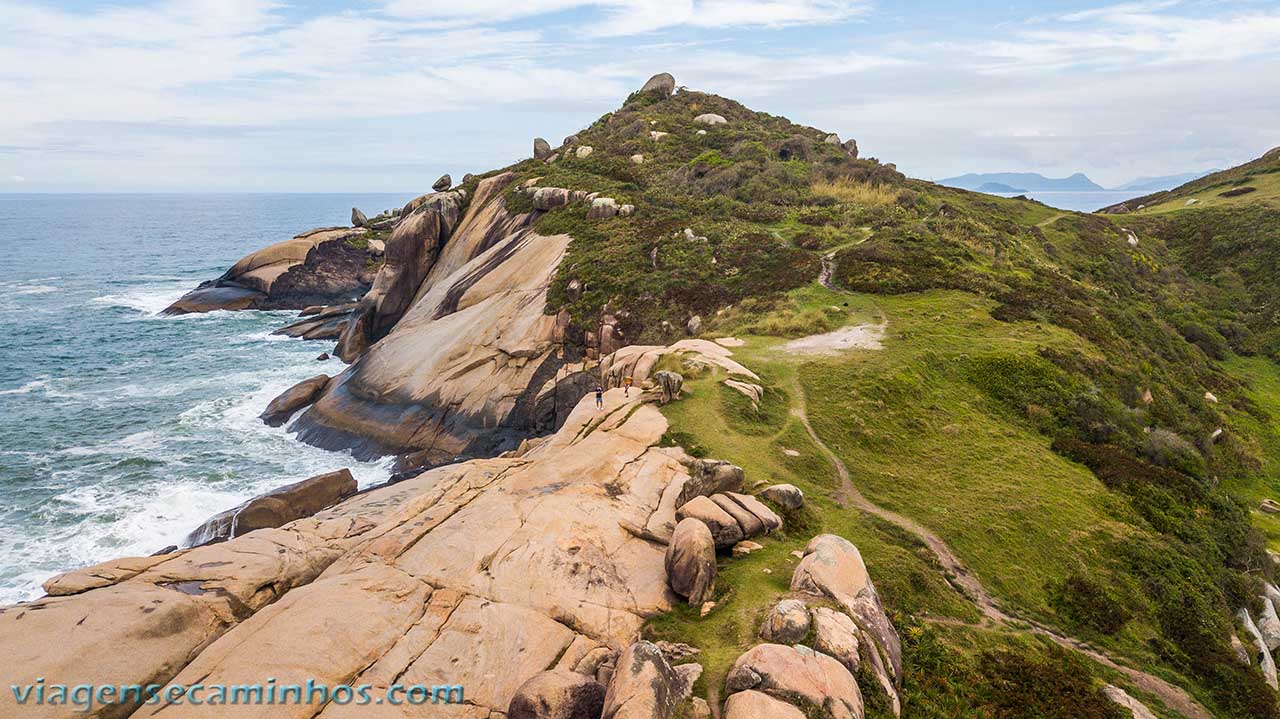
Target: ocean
pixel 122 430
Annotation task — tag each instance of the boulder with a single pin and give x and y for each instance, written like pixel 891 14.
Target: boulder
pixel 442 184
pixel 276 508
pixel 753 392
pixel 767 517
pixel 541 149
pixel 1210 397
pixel 710 118
pixel 746 547
pixel 786 623
pixel 725 530
pixel 694 325
pixel 850 148
pixel 662 85
pixel 645 686
pixel 1269 624
pixel 691 561
pixel 570 140
pixel 1133 706
pixel 637 159
pixel 626 210
pixel 557 694
pixel 670 382
pixel 752 704
pixel 783 671
pixel 787 496
pixel 832 567
pixel 832 139
pixel 280 409
pixel 357 218
pixel 707 477
pixel 1270 506
pixel 656 135
pixel 209 299
pixel 602 208
pixel 583 151
pixel 750 524
pixel 836 635
pixel 549 198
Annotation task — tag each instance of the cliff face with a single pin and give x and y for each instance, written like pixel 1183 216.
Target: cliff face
pixel 463 370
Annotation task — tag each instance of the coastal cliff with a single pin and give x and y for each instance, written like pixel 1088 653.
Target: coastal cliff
pixel 1046 436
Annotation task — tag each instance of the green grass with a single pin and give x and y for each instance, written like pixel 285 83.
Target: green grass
pixel 1263 379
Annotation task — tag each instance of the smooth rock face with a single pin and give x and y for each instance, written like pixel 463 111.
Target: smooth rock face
pixel 1258 648
pixel 710 118
pixel 784 495
pixel 467 369
pixel 558 694
pixel 752 704
pixel 482 573
pixel 662 84
pixel 645 686
pixel 832 567
pixel 277 507
pixel 691 562
pixel 293 399
pixel 783 671
pixel 1121 697
pixel 410 253
pixel 786 623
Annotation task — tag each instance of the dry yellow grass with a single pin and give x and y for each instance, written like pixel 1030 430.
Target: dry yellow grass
pixel 855 192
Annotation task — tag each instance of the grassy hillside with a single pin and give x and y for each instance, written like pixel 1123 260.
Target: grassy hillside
pixel 1039 402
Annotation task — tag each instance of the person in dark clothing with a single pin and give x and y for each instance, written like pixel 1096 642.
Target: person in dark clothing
pixel 599 397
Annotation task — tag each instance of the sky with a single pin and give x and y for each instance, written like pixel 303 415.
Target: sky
pixel 385 95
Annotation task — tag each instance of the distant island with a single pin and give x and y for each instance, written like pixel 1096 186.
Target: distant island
pixel 996 187
pixel 1027 181
pixel 1015 182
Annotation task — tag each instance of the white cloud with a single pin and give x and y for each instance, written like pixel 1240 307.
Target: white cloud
pixel 17 178
pixel 633 17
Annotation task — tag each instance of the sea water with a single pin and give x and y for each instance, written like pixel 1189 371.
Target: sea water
pixel 121 430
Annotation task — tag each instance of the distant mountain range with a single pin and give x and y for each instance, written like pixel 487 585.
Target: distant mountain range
pixel 1026 181
pixel 1007 182
pixel 1165 182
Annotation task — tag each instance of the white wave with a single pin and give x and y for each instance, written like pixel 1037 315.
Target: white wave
pixel 32 386
pixel 33 289
pixel 149 299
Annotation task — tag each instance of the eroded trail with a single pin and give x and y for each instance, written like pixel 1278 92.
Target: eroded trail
pixel 968 584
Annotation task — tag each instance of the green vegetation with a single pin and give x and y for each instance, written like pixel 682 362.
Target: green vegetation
pixel 1040 402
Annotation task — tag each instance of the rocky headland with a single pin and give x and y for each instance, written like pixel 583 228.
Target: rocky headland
pixel 560 559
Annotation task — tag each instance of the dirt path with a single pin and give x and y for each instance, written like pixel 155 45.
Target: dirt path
pixel 969 585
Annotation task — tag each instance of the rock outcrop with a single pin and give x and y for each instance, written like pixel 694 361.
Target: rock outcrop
pixel 798 671
pixel 324 266
pixel 786 623
pixel 276 508
pixel 558 694
pixel 280 409
pixel 691 562
pixel 485 573
pixel 787 496
pixel 662 85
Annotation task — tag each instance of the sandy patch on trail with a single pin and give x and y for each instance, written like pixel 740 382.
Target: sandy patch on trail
pixel 853 337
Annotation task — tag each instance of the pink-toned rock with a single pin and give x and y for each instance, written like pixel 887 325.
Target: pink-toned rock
pixel 833 567
pixel 280 409
pixel 783 671
pixel 758 705
pixel 645 686
pixel 724 528
pixel 691 561
pixel 557 694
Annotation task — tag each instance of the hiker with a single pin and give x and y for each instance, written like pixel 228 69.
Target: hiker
pixel 599 397
pixel 626 386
